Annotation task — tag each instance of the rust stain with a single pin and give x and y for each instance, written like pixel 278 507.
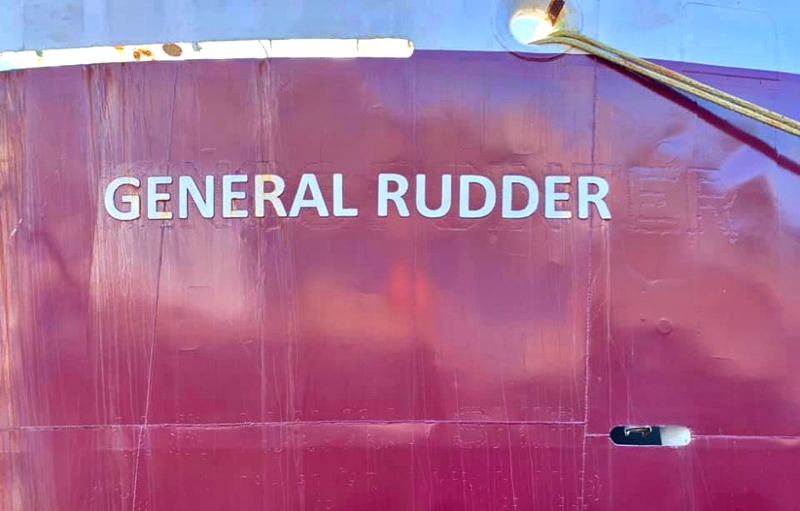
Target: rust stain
pixel 142 52
pixel 172 49
pixel 554 10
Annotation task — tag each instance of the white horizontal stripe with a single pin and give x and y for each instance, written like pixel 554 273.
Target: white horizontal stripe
pixel 211 50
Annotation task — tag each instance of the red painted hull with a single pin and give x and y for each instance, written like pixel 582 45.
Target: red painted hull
pixel 397 363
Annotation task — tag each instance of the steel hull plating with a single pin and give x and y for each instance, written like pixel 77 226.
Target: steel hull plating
pixel 387 362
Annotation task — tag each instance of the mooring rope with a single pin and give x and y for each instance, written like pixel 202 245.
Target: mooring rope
pixel 672 79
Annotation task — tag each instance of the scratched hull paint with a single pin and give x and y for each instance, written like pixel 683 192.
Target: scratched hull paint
pixel 397 363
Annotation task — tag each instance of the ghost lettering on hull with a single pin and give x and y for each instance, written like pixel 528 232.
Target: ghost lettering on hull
pixel 516 197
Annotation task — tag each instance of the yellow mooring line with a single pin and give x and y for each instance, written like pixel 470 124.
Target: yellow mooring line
pixel 672 79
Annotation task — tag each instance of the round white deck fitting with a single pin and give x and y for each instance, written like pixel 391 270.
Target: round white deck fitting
pixel 517 23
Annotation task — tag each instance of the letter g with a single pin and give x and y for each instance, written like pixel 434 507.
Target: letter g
pixel 133 200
